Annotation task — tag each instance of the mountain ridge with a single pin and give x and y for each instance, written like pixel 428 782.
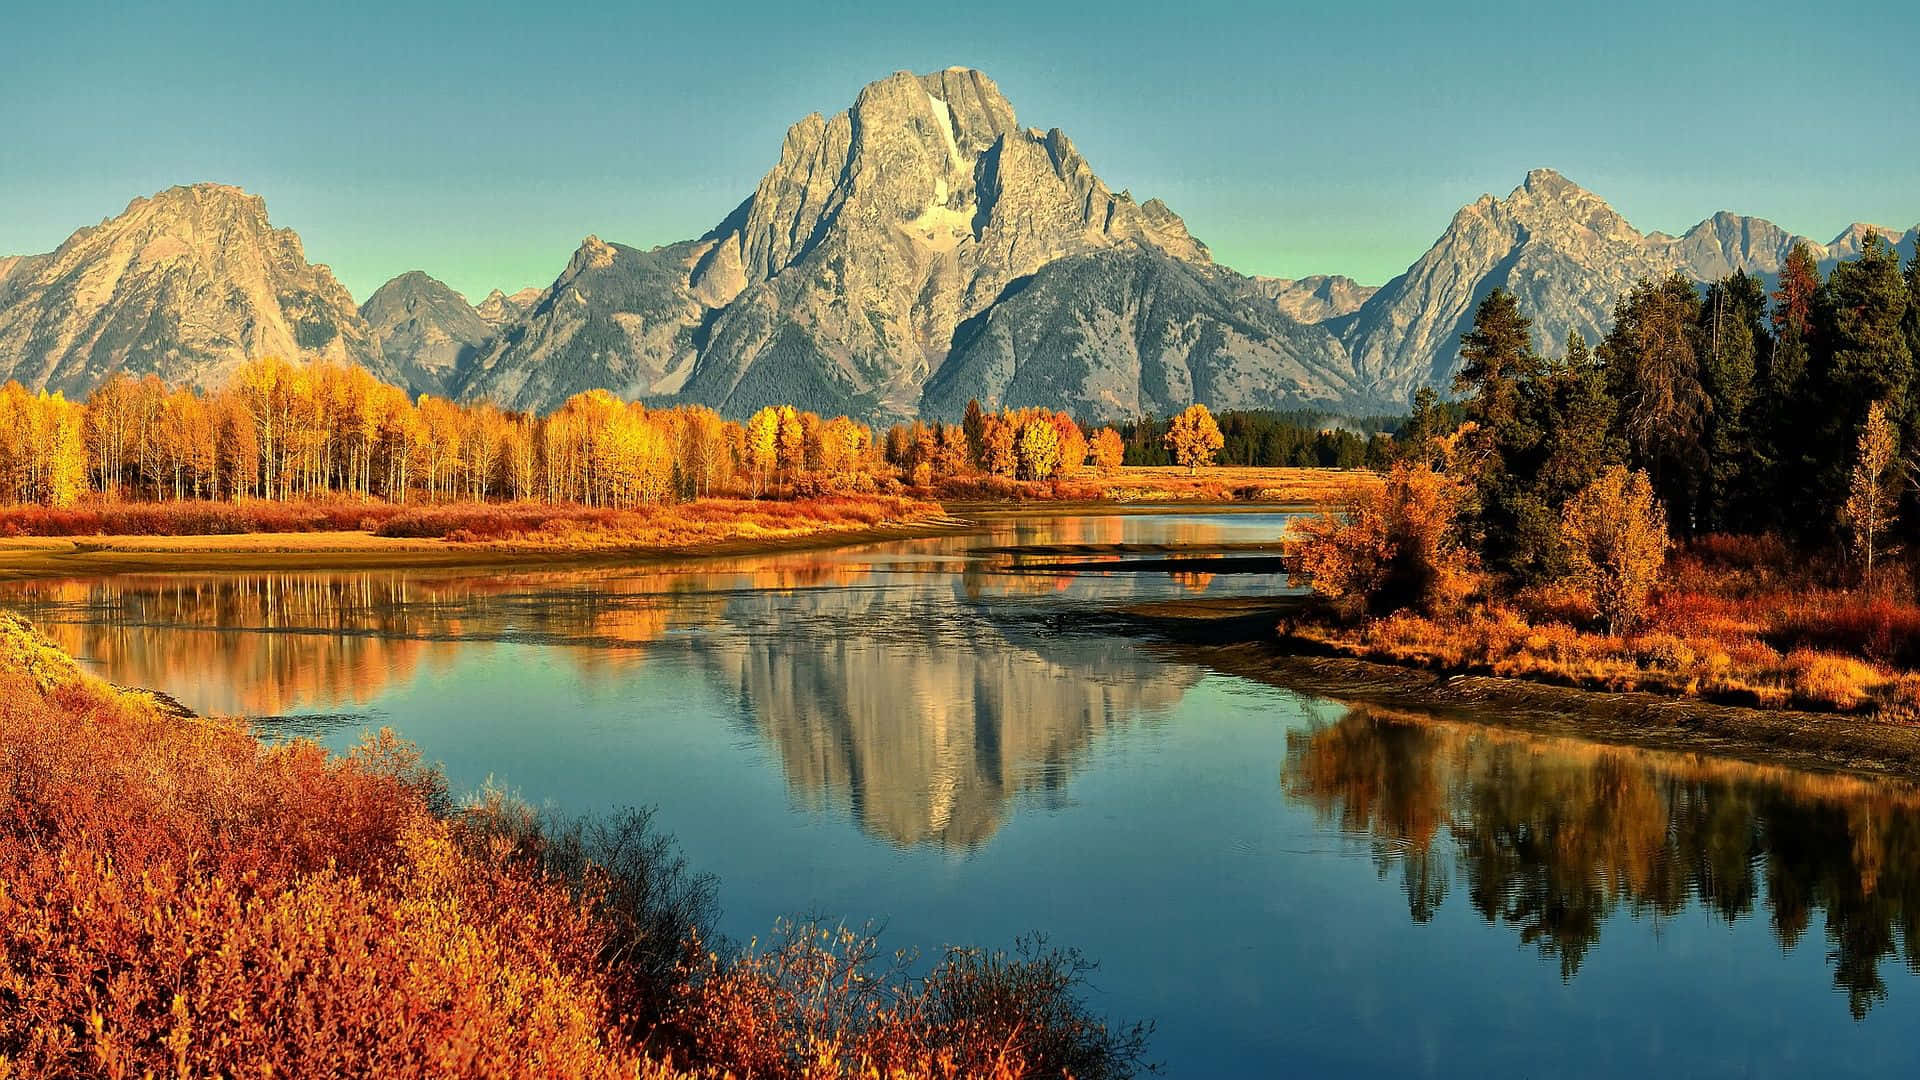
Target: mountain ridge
pixel 914 250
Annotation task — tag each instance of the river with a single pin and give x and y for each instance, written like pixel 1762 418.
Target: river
pixel 938 733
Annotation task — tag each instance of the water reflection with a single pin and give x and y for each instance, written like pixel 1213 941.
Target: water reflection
pixel 920 685
pixel 1552 836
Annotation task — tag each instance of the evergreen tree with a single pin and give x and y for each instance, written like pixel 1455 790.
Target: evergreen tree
pixel 1732 333
pixel 1860 357
pixel 1868 358
pixel 1498 372
pixel 1787 468
pixel 1425 423
pixel 1653 366
pixel 1496 359
pixel 974 424
pixel 1911 324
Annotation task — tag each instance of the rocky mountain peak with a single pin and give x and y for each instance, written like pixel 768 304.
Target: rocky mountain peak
pixel 879 231
pixel 184 284
pixel 425 330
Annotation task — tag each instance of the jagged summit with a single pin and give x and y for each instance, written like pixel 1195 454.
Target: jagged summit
pixel 844 279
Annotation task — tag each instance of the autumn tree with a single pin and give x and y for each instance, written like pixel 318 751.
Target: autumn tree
pixel 763 444
pixel 1194 437
pixel 1108 450
pixel 1873 492
pixel 998 456
pixel 1616 538
pixel 1038 447
pixel 1073 444
pixel 1398 545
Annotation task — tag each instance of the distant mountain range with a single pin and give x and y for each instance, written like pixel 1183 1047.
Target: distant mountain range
pixel 917 250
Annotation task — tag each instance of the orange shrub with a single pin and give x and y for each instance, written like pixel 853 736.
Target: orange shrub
pixel 177 898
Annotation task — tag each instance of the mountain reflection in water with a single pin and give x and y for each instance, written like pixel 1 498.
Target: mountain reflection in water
pixel 910 682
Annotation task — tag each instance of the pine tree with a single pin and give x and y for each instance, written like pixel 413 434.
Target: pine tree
pixel 975 426
pixel 1732 331
pixel 1653 366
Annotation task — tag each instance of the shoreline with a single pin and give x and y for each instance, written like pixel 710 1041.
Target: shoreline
pixel 37 557
pixel 1238 638
pixel 54 556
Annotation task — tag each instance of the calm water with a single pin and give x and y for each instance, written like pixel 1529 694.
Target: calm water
pixel 930 732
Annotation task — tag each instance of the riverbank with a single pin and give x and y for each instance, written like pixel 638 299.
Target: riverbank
pixel 1239 637
pixel 1156 487
pixel 40 556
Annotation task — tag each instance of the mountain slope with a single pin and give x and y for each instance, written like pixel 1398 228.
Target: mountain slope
pixel 425 330
pixel 1316 298
pixel 499 309
pixel 184 285
pixel 1132 330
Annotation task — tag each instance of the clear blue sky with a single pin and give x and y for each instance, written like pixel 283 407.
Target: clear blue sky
pixel 480 142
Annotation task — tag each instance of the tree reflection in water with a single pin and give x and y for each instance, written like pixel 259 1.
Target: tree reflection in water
pixel 1553 836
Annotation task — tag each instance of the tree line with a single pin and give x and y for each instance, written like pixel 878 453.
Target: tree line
pixel 1270 438
pixel 279 430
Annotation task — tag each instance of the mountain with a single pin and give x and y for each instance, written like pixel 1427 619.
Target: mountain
pixel 844 282
pixel 184 285
pixel 1567 255
pixel 916 250
pixel 1132 330
pixel 499 309
pixel 1853 239
pixel 425 330
pixel 1316 298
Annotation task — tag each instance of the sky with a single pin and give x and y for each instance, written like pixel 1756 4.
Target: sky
pixel 480 142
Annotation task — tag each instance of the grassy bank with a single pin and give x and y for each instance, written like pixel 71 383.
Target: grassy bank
pixel 464 534
pixel 1155 484
pixel 1735 620
pixel 177 897
pixel 1237 637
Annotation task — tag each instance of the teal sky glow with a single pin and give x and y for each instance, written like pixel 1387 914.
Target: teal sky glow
pixel 481 141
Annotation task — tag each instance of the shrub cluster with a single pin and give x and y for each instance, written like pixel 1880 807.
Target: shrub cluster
pixel 178 898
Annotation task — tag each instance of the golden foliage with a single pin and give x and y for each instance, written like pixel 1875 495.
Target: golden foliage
pixel 177 898
pixel 1194 437
pixel 1615 534
pixel 1391 547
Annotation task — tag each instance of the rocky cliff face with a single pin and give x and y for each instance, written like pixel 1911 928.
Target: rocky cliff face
pixel 499 309
pixel 184 285
pixel 1133 330
pixel 425 330
pixel 1316 298
pixel 916 250
pixel 841 283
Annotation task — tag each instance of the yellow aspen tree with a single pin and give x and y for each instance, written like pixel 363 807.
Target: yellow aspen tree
pixel 1194 437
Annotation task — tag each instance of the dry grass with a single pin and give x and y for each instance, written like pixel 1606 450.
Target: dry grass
pixel 678 525
pixel 1739 620
pixel 196 518
pixel 177 898
pixel 1168 483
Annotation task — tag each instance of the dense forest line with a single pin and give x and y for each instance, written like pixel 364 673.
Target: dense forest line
pixel 1269 438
